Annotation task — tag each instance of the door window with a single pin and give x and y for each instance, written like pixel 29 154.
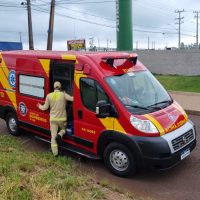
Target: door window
pixel 91 93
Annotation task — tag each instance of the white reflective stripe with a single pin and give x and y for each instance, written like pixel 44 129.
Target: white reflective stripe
pixel 178 132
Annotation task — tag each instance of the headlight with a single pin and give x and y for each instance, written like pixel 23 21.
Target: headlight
pixel 145 126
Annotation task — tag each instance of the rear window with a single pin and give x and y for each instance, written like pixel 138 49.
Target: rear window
pixel 31 85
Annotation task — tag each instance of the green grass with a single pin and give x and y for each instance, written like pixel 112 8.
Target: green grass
pixel 28 175
pixel 180 83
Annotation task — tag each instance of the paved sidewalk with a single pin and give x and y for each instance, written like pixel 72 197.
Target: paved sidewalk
pixel 188 100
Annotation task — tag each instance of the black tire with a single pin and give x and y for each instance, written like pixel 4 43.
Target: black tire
pixel 119 160
pixel 12 124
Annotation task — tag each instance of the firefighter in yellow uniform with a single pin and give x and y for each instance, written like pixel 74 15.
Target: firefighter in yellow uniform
pixel 57 102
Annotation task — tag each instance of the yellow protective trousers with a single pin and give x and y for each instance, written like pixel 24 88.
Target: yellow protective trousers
pixel 54 126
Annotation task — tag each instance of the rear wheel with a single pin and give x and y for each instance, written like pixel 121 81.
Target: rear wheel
pixel 119 160
pixel 12 124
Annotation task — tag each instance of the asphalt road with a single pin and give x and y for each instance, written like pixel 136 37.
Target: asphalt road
pixel 179 183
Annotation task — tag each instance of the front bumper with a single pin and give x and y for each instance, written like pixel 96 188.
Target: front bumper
pixel 159 152
pixel 166 162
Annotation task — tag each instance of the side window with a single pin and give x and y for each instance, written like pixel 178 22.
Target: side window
pixel 32 85
pixel 88 93
pixel 91 92
pixel 101 95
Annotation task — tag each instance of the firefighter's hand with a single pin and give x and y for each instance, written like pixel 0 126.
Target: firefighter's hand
pixel 38 105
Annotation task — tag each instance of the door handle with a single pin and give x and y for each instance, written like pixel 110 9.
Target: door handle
pixel 80 114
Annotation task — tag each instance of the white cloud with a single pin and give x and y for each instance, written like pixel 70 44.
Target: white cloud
pixel 150 17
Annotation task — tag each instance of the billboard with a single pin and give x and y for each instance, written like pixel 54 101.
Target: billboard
pixel 76 45
pixel 9 46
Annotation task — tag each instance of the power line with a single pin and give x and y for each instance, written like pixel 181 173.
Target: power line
pixel 160 5
pixel 108 26
pixel 84 2
pixel 43 8
pixel 80 2
pixel 75 18
pixel 160 9
pixel 36 8
pixel 78 11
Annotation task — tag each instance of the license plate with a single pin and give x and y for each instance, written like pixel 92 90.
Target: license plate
pixel 185 153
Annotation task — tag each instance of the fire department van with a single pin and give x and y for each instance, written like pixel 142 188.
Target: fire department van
pixel 120 113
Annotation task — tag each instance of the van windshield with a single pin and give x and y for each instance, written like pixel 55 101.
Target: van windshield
pixel 139 92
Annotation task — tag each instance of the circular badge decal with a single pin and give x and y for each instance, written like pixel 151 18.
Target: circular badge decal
pixel 22 108
pixel 171 117
pixel 12 78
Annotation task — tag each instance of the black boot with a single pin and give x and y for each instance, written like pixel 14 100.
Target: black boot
pixel 59 140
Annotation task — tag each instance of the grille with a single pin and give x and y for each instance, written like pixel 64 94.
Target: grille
pixel 182 140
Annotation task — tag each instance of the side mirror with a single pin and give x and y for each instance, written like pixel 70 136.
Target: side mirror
pixel 104 109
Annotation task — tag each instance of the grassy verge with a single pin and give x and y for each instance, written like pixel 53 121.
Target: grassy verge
pixel 39 176
pixel 180 83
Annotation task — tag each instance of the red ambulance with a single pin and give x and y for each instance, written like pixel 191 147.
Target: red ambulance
pixel 120 113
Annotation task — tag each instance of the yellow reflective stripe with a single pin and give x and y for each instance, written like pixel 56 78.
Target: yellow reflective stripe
pixel 156 123
pixel 77 77
pixel 55 96
pixel 4 81
pixel 58 119
pixel 107 122
pixel 112 123
pixel 3 64
pixel 175 105
pixel 46 65
pixel 54 145
pixel 118 126
pixel 69 57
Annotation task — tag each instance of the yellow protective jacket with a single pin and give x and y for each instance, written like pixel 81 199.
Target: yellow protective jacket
pixel 57 102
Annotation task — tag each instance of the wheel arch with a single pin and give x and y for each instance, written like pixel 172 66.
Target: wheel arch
pixel 107 137
pixel 6 110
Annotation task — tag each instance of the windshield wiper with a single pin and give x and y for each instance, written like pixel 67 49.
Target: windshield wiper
pixel 161 102
pixel 135 106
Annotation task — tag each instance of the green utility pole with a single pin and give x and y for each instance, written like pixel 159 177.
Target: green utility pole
pixel 124 25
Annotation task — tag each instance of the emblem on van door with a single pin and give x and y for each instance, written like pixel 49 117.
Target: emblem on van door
pixel 22 108
pixel 12 78
pixel 171 117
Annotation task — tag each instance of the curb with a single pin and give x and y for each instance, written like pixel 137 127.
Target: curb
pixel 184 93
pixel 192 112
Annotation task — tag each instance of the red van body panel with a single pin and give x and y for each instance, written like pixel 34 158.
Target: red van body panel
pixel 22 70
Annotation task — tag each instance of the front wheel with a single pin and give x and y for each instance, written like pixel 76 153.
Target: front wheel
pixel 119 160
pixel 12 124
